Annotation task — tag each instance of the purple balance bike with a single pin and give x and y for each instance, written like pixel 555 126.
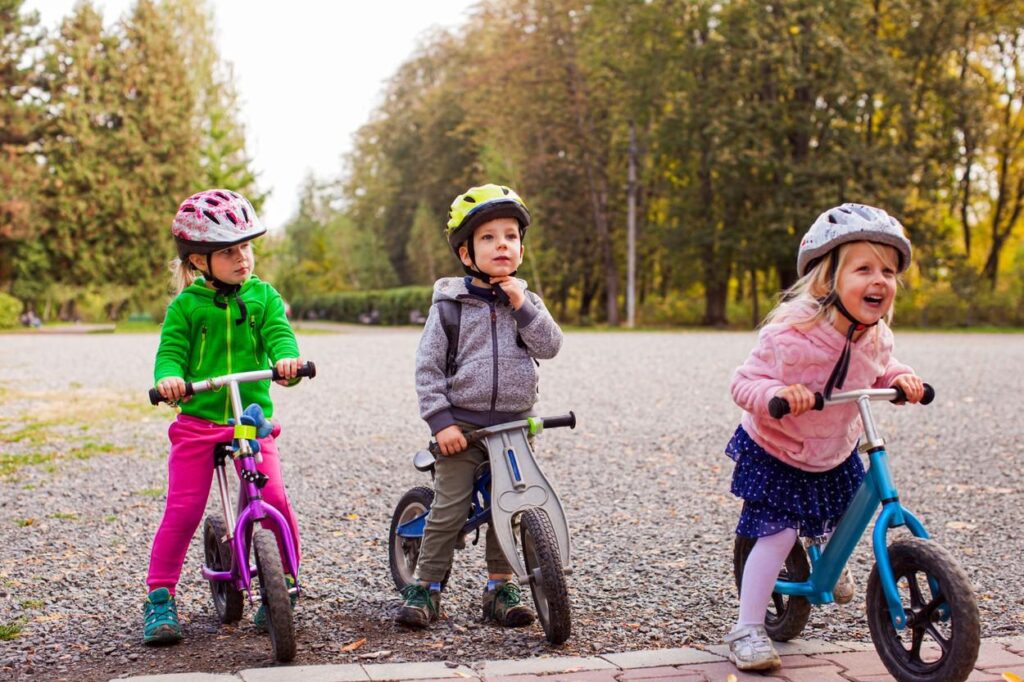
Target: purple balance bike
pixel 226 540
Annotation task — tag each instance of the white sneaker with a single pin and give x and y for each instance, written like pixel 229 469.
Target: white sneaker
pixel 845 588
pixel 751 649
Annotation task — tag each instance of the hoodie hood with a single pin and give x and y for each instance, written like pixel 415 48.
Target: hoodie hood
pixel 454 288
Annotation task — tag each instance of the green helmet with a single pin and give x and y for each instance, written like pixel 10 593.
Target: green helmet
pixel 480 204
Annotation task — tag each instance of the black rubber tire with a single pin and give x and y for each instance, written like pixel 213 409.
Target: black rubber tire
pixel 227 600
pixel 274 594
pixel 403 553
pixel 547 579
pixel 914 561
pixel 786 616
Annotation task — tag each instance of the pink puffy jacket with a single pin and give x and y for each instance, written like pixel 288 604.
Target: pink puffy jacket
pixel 814 441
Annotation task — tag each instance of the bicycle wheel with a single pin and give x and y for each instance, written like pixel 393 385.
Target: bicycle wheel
pixel 943 632
pixel 547 580
pixel 227 600
pixel 404 553
pixel 786 616
pixel 274 593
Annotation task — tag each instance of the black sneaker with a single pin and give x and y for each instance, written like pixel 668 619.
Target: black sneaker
pixel 421 606
pixel 504 605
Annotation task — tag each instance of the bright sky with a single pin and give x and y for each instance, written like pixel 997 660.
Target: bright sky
pixel 309 72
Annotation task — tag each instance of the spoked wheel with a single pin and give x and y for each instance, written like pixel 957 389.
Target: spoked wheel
pixel 274 593
pixel 404 553
pixel 787 615
pixel 943 632
pixel 227 600
pixel 547 579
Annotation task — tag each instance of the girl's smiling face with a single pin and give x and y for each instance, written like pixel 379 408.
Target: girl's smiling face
pixel 866 282
pixel 232 265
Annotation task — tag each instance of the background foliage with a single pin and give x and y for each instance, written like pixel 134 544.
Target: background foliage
pixel 750 119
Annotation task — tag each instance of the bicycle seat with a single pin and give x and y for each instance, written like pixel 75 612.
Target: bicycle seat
pixel 423 460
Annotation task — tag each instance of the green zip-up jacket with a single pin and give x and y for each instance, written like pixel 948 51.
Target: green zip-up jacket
pixel 200 339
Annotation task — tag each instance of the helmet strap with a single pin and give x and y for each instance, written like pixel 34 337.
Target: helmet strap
pixel 842 366
pixel 475 271
pixel 224 290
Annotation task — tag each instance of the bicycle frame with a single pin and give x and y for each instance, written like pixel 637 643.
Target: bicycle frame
pixel 253 508
pixel 480 515
pixel 518 484
pixel 877 489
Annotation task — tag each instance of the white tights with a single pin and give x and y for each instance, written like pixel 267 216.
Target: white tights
pixel 761 572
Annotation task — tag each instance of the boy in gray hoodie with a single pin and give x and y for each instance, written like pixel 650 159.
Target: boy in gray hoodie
pixel 491 379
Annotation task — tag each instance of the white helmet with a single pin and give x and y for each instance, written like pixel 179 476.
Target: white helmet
pixel 851 223
pixel 212 220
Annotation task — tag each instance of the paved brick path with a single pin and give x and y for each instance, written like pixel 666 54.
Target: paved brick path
pixel 802 661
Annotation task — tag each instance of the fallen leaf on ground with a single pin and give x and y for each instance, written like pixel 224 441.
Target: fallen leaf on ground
pixel 352 646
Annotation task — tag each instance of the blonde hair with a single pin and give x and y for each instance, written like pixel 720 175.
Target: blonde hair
pixel 182 275
pixel 801 305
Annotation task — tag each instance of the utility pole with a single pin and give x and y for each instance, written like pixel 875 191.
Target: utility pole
pixel 631 231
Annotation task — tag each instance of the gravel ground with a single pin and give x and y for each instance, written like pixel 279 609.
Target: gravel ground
pixel 643 480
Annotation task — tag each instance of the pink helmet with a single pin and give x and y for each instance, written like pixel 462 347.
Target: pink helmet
pixel 212 220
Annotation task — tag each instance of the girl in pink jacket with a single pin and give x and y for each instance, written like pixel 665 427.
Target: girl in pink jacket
pixel 798 474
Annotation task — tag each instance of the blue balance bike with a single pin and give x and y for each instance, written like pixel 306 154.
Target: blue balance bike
pixel 511 493
pixel 227 540
pixel 921 608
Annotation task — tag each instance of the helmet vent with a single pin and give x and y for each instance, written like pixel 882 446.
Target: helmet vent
pixel 188 209
pixel 504 190
pixel 832 219
pixel 245 214
pixel 231 217
pixel 223 196
pixel 211 217
pixel 469 199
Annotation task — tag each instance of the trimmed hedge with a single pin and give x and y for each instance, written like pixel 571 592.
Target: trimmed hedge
pixel 10 310
pixel 392 306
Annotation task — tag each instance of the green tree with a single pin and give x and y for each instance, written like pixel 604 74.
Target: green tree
pixel 21 116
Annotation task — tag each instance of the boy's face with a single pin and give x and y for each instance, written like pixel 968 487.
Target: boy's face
pixel 232 265
pixel 497 247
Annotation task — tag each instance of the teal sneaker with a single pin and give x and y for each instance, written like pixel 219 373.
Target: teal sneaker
pixel 259 619
pixel 504 605
pixel 421 605
pixel 160 618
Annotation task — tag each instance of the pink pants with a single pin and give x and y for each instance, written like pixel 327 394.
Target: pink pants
pixel 189 477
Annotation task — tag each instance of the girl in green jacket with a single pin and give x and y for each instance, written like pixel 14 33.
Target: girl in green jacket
pixel 224 320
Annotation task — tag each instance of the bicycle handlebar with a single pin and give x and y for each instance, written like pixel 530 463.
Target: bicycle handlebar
pixel 779 407
pixel 473 436
pixel 307 370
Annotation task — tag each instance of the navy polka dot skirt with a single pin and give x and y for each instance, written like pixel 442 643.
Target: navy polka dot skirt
pixel 778 496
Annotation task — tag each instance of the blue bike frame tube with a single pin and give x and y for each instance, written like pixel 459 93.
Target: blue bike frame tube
pixel 818 590
pixel 413 528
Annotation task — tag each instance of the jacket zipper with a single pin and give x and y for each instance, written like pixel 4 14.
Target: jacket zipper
pixel 494 358
pixel 227 394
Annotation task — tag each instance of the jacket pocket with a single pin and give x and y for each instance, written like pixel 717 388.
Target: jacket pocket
pixel 202 348
pixel 517 383
pixel 252 338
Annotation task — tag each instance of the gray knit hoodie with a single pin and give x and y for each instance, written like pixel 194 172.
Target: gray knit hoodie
pixel 496 379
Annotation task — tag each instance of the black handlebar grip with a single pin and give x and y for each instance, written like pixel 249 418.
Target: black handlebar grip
pixel 155 398
pixel 779 407
pixel 901 396
pixel 307 369
pixel 557 422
